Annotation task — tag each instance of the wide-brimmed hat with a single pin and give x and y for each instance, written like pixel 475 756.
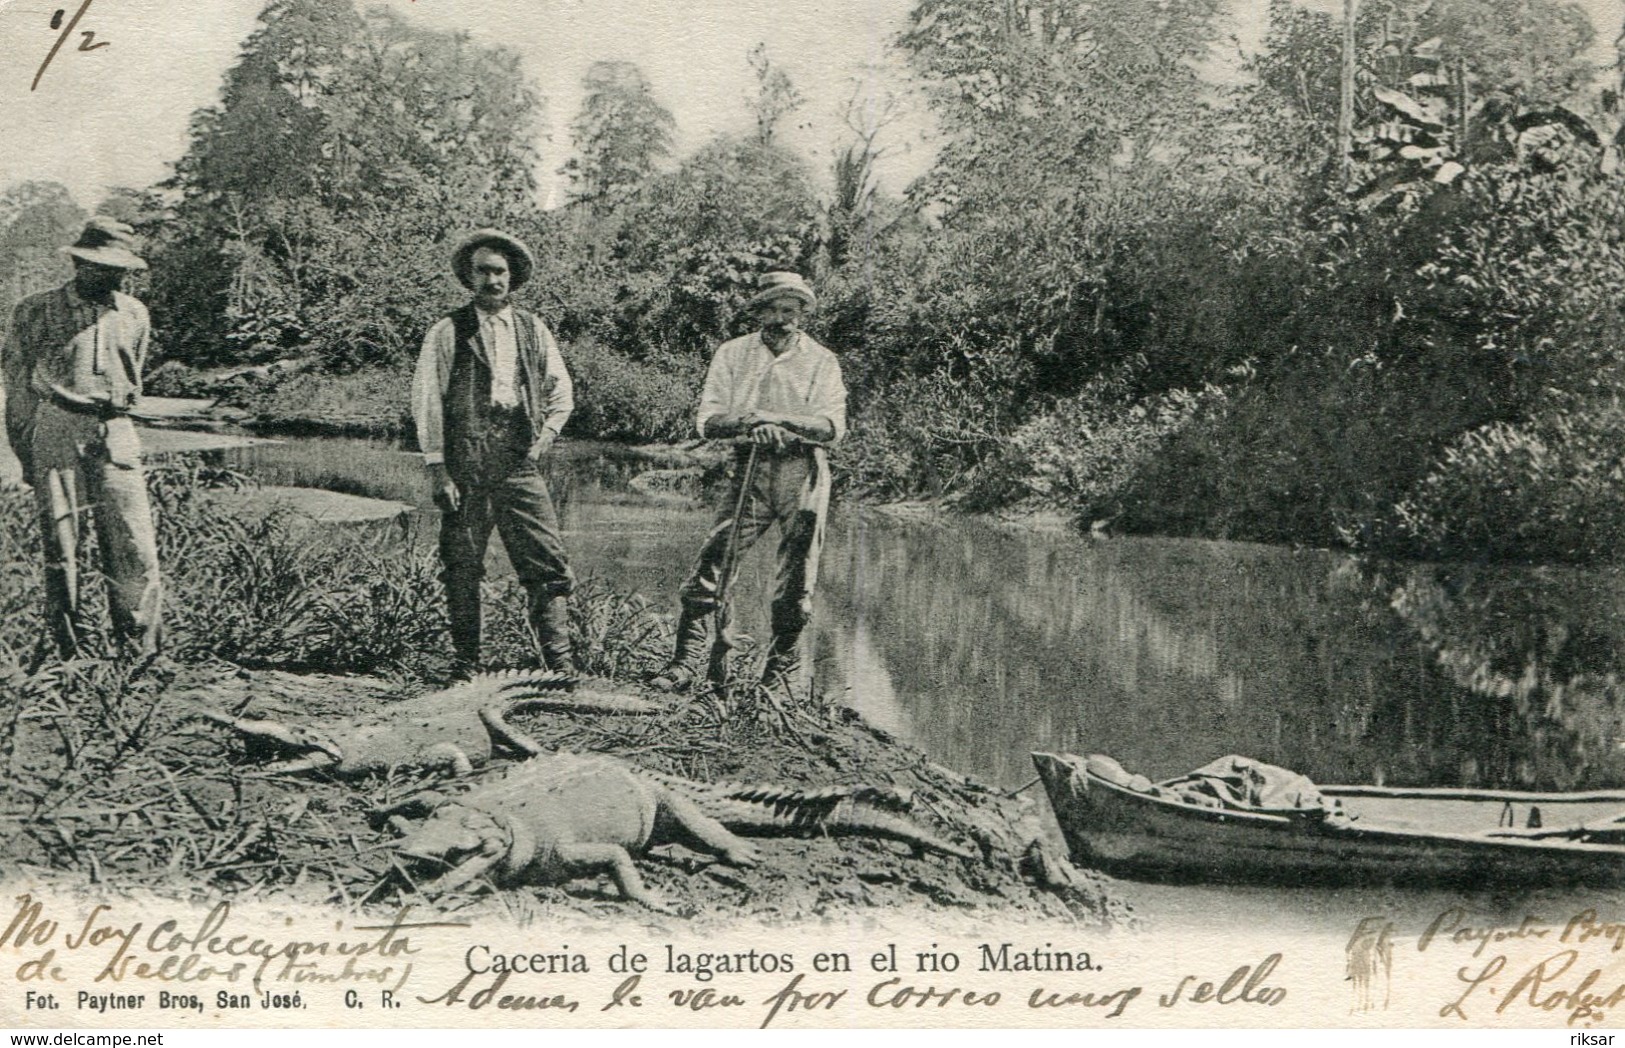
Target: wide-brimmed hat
pixel 521 263
pixel 107 242
pixel 776 285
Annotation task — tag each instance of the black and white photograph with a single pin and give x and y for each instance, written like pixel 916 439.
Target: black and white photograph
pixel 924 514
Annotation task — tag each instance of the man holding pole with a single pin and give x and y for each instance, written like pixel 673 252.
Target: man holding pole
pixel 73 369
pixel 779 395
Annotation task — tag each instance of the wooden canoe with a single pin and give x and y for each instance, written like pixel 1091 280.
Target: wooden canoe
pixel 1460 837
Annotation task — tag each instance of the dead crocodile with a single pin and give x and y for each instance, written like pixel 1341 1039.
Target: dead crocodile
pixel 460 726
pixel 561 816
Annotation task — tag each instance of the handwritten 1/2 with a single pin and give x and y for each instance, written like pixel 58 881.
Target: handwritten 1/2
pixel 89 43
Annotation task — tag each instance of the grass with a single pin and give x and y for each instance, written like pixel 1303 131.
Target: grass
pixel 369 403
pixel 348 466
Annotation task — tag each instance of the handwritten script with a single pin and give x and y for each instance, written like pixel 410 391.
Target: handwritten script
pixel 87 43
pixel 1572 967
pixel 202 951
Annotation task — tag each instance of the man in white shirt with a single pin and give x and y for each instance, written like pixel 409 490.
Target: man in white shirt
pixel 73 366
pixel 779 392
pixel 489 397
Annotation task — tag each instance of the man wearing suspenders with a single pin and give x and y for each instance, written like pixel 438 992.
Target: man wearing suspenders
pixel 489 397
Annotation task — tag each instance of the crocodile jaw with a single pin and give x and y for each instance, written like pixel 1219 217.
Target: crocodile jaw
pixel 467 840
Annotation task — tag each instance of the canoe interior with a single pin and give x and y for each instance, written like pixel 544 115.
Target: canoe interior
pixel 1433 837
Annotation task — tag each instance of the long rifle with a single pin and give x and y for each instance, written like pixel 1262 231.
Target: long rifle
pixel 62 576
pixel 724 640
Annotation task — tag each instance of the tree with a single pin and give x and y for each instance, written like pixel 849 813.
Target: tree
pixel 317 199
pixel 694 242
pixel 620 135
pixel 1076 128
pixel 1529 52
pixel 1472 61
pixel 850 214
pixel 269 135
pixel 1289 109
pixel 776 96
pixel 36 220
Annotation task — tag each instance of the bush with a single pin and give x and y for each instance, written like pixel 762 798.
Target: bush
pixel 1084 455
pixel 1552 489
pixel 933 436
pixel 618 398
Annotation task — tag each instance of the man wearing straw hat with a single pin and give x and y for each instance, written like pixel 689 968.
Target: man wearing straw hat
pixel 779 395
pixel 489 397
pixel 73 372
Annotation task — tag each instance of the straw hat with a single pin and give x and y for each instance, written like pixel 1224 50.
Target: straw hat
pixel 521 262
pixel 775 285
pixel 107 242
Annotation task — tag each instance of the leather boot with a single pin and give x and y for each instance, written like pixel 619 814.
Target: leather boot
pixel 463 611
pixel 550 618
pixel 783 669
pixel 693 628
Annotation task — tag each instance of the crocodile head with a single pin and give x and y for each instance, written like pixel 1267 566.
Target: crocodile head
pixel 463 841
pixel 315 746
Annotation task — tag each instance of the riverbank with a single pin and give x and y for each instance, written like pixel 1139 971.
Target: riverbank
pixel 187 806
pixel 113 780
pixel 256 400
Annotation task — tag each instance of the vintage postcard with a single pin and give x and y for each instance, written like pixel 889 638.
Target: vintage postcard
pixel 872 513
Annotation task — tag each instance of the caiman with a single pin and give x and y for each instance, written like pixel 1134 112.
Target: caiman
pixel 561 816
pixel 461 726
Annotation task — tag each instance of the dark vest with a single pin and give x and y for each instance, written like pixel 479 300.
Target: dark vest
pixel 478 438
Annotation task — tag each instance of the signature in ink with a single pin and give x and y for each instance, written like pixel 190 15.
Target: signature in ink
pixel 89 43
pixel 1370 956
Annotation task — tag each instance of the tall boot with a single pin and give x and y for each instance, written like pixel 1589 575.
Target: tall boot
pixel 783 669
pixel 463 610
pixel 550 618
pixel 693 627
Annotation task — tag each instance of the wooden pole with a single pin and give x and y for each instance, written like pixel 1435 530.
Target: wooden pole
pixel 1345 109
pixel 1461 107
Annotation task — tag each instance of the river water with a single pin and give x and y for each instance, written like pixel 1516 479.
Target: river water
pixel 981 643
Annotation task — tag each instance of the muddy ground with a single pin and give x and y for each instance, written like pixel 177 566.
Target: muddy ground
pixel 114 780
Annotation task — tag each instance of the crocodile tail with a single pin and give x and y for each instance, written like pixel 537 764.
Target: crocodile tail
pixel 835 816
pixel 528 682
pixel 491 688
pixel 888 798
pixel 581 702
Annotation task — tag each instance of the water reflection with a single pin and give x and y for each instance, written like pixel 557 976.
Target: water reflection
pixel 1168 653
pixel 981 644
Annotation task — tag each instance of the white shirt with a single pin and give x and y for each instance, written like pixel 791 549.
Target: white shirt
pixel 745 376
pixel 434 371
pixel 503 349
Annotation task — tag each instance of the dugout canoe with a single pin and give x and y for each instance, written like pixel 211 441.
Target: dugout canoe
pixel 1371 834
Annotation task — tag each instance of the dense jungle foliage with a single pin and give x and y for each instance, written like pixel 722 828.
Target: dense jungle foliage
pixel 1137 284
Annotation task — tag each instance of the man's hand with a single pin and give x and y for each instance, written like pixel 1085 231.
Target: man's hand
pixel 811 428
pixel 444 489
pixel 100 406
pixel 541 445
pixel 774 436
pixel 722 426
pixel 771 428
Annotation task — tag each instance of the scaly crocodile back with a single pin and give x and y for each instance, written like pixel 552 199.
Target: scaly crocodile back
pixel 508 691
pixel 584 797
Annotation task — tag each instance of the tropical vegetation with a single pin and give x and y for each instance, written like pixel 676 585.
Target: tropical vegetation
pixel 1138 284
